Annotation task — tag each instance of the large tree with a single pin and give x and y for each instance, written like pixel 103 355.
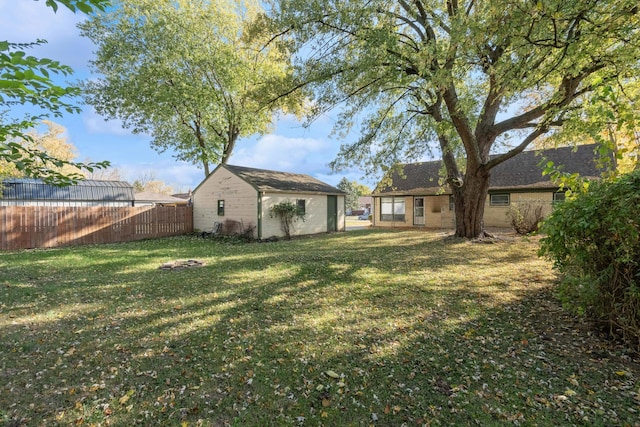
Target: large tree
pixel 29 82
pixel 452 76
pixel 54 143
pixel 186 72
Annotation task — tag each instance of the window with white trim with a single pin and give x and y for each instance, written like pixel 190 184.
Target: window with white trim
pixel 500 199
pixel 392 209
pixel 558 197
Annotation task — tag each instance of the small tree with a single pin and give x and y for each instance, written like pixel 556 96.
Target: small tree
pixel 288 213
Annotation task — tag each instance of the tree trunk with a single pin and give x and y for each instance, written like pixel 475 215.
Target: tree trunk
pixel 469 202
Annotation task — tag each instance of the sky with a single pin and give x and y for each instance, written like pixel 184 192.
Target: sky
pixel 290 147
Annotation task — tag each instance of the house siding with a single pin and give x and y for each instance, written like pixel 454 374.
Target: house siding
pixel 240 199
pixel 315 218
pixel 497 216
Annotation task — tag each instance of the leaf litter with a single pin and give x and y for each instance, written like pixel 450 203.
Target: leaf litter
pixel 382 328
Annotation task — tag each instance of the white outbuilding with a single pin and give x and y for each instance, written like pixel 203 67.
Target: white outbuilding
pixel 240 199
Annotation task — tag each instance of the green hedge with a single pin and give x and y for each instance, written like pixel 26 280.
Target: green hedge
pixel 593 240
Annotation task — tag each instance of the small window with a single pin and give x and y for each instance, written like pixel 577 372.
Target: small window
pixel 499 199
pixel 220 207
pixel 452 203
pixel 301 206
pixel 558 197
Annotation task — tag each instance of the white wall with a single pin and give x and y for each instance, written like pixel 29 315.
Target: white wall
pixel 240 200
pixel 315 218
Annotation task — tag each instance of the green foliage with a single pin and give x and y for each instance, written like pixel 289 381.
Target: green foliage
pixel 288 214
pixel 593 239
pixel 421 77
pixel 351 199
pixel 84 6
pixel 354 191
pixel 187 73
pixel 26 80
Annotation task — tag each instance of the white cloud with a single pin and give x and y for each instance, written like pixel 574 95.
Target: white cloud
pixel 275 152
pixel 95 123
pixel 23 21
pixel 181 176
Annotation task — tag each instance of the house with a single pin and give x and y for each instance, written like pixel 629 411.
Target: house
pixel 241 195
pixel 150 198
pixel 413 197
pixel 89 192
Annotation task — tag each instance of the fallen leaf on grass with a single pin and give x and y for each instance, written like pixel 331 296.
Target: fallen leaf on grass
pixel 124 399
pixel 332 374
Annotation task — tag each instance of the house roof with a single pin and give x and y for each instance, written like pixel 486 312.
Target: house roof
pixel 282 182
pixel 518 173
pixel 89 190
pixel 153 197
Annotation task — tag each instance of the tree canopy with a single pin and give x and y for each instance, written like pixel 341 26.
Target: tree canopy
pixel 186 72
pixel 452 76
pixel 29 81
pixel 54 143
pixel 354 191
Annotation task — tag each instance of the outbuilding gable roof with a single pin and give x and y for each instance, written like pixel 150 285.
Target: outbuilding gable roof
pixel 283 182
pixel 85 190
pixel 520 172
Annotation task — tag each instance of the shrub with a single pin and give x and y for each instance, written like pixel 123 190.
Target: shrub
pixel 288 213
pixel 593 240
pixel 525 217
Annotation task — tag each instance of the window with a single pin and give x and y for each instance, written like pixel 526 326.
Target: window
pixel 499 199
pixel 558 197
pixel 452 203
pixel 392 209
pixel 220 207
pixel 301 206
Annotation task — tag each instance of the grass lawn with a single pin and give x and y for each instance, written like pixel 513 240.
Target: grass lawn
pixel 369 327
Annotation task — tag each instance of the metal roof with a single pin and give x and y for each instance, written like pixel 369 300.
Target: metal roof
pixel 85 190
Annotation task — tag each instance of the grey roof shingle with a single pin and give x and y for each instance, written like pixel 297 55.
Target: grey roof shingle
pixel 520 172
pixel 268 180
pixel 85 190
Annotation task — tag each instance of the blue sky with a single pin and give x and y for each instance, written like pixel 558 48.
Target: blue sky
pixel 289 147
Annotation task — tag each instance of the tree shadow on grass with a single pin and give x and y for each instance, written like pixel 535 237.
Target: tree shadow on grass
pixel 382 328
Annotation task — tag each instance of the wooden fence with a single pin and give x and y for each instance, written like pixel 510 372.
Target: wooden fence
pixel 23 227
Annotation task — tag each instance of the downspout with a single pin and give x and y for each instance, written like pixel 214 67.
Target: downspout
pixel 260 194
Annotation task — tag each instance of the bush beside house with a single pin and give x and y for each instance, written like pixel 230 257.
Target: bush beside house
pixel 594 241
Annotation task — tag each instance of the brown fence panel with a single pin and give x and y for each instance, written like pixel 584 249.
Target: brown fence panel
pixel 23 227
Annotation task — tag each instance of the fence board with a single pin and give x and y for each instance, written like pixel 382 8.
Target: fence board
pixel 24 227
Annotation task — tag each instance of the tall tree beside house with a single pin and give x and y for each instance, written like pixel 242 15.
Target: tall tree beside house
pixel 354 191
pixel 188 73
pixel 448 76
pixel 351 198
pixel 29 81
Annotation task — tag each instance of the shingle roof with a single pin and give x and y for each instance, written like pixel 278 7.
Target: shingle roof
pixel 86 190
pixel 267 180
pixel 519 172
pixel 151 196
